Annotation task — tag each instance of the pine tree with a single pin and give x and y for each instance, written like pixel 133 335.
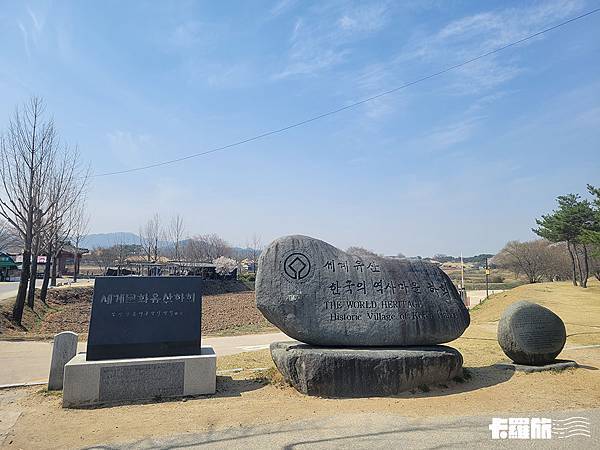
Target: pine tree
pixel 592 234
pixel 571 222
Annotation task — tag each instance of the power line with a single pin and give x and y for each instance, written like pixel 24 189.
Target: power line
pixel 350 106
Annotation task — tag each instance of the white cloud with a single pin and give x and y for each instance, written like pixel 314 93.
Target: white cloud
pixel 37 20
pixel 447 136
pixel 32 28
pixel 25 35
pixel 452 134
pixel 187 34
pixel 373 80
pixel 473 35
pixel 323 38
pixel 365 18
pixel 234 76
pixel 346 22
pixel 483 76
pixel 282 7
pixel 454 42
pixel 130 149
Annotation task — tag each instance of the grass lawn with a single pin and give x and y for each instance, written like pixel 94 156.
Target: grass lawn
pixel 578 308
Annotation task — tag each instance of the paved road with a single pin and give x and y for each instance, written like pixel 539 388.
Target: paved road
pixel 476 297
pixel 24 362
pixel 29 361
pixel 8 289
pixel 371 431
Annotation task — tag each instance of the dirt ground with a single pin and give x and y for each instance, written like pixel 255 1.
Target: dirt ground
pixel 251 397
pixel 68 309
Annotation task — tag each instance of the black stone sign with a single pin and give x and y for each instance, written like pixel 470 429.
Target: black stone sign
pixel 137 317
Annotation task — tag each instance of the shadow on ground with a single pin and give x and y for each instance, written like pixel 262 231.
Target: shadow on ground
pixel 473 378
pixel 226 387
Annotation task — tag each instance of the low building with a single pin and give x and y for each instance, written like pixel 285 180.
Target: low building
pixel 163 267
pixel 66 257
pixel 65 261
pixel 8 267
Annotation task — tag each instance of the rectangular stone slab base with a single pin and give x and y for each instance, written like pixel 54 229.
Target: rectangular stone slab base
pixel 555 366
pixel 364 371
pixel 115 381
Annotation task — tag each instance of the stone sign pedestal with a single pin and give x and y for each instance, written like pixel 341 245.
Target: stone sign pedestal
pixel 90 383
pixel 364 371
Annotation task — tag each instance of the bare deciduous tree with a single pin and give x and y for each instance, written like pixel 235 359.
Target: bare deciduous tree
pixel 40 182
pixel 360 251
pixel 27 153
pixel 104 257
pixel 66 191
pixel 536 259
pixel 81 222
pixel 176 232
pixel 6 236
pixel 256 249
pixel 35 252
pixel 150 235
pixel 206 248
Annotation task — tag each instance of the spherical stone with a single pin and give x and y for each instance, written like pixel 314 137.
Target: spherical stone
pixel 531 334
pixel 321 295
pixel 364 372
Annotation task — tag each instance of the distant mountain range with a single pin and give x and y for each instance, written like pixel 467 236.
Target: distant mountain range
pixel 104 240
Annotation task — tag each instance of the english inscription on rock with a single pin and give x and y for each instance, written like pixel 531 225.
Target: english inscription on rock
pixel 321 295
pixel 531 334
pixel 135 317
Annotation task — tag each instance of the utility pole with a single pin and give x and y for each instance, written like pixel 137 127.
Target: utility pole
pixel 487 275
pixel 462 272
pixel 463 290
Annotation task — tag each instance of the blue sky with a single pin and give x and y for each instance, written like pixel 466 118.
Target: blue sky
pixel 461 162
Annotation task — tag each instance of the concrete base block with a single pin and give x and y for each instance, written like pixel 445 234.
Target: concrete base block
pixel 364 372
pixel 556 366
pixel 92 383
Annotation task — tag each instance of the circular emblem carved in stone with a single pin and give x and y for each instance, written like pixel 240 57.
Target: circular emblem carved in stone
pixel 297 266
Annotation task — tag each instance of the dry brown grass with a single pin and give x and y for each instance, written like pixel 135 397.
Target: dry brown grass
pixel 579 308
pixel 256 397
pixel 69 309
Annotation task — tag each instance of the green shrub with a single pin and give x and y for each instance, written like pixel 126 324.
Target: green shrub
pixel 247 276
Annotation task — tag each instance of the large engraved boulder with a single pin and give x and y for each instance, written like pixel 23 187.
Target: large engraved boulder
pixel 321 295
pixel 531 334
